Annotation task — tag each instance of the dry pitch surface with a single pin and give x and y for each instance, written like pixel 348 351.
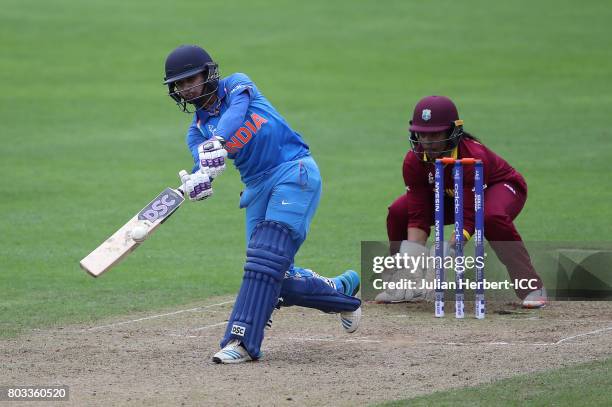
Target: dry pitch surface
pixel 399 351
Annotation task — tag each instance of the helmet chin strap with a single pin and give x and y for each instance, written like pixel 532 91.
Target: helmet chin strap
pixel 210 105
pixel 199 104
pixel 443 153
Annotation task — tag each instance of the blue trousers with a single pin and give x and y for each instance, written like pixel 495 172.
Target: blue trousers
pixel 289 194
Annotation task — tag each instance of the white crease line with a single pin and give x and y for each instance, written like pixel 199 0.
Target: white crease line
pixel 198 329
pixel 584 334
pixel 482 343
pixel 329 339
pixel 365 340
pixel 156 316
pixel 208 326
pixel 560 341
pixel 584 320
pixel 362 340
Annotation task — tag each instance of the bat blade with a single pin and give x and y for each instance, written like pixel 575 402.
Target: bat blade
pixel 120 244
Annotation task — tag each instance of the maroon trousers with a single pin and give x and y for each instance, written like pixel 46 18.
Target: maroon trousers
pixel 503 203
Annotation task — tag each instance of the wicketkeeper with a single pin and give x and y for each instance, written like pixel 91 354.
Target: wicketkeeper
pixel 232 119
pixel 435 132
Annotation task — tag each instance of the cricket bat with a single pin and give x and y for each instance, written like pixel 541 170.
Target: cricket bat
pixel 120 244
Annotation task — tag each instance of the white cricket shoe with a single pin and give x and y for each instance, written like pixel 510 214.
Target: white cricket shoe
pixel 350 320
pixel 536 299
pixel 233 352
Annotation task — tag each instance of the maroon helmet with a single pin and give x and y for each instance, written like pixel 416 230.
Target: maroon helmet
pixel 434 114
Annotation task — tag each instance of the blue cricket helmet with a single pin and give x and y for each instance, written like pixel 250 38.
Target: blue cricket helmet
pixel 186 61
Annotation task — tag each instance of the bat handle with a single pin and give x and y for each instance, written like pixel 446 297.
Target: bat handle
pixel 182 176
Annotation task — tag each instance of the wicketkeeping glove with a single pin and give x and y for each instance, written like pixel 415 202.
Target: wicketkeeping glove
pixel 196 186
pixel 212 156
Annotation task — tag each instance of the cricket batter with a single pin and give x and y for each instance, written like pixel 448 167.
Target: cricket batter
pixel 436 132
pixel 231 118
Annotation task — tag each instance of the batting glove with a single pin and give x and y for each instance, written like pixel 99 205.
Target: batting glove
pixel 196 186
pixel 212 156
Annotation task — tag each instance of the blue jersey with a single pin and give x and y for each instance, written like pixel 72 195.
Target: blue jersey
pixel 263 141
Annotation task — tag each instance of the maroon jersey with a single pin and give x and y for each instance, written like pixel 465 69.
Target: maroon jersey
pixel 419 180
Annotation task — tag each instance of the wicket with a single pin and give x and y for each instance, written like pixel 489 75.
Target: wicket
pixel 479 300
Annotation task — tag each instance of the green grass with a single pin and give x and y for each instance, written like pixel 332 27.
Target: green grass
pixel 88 135
pixel 579 385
